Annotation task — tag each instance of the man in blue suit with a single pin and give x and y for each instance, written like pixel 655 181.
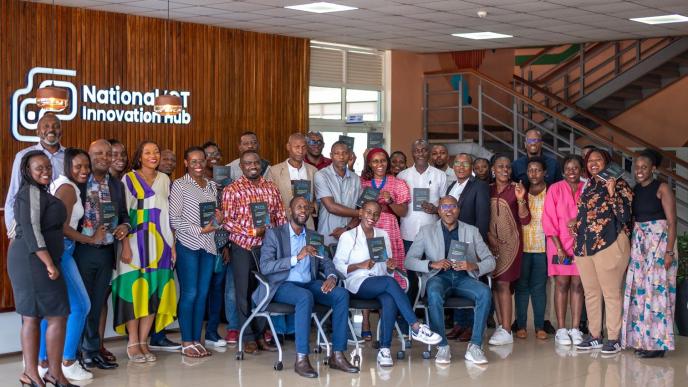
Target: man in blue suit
pixel 291 267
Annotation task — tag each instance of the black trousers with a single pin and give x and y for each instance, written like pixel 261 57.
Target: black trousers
pixel 244 284
pixel 95 265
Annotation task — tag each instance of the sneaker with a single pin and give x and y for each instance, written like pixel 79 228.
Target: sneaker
pixel 501 337
pixel 384 358
pixel 548 327
pixel 443 355
pixel 475 354
pixel 590 343
pixel 76 372
pixel 166 345
pixel 426 336
pixel 214 340
pixel 576 336
pixel 611 347
pixel 562 337
pixel 42 371
pixel 232 337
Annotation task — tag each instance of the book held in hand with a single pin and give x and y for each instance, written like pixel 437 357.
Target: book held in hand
pixel 107 215
pixel 348 140
pixel 301 188
pixel 221 175
pixel 458 251
pixel 259 214
pixel 207 212
pixel 377 248
pixel 375 140
pixel 318 241
pixel 611 171
pixel 420 196
pixel 368 194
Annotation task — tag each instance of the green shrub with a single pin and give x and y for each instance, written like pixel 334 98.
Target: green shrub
pixel 682 272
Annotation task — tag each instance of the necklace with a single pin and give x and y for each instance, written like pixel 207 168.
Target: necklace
pixel 382 183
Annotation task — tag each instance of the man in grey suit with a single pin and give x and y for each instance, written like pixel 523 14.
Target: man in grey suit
pixel 291 267
pixel 442 276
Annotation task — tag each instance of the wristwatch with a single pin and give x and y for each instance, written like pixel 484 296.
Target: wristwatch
pixel 669 253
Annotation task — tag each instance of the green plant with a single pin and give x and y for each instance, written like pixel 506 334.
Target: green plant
pixel 682 273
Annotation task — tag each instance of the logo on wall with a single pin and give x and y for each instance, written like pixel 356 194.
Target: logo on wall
pixel 94 104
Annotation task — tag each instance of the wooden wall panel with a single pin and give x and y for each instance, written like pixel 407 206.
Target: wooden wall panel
pixel 238 80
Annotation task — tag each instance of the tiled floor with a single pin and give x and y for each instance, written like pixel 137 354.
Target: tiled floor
pixel 528 362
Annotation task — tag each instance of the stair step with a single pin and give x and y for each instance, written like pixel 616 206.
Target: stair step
pixel 667 70
pixel 681 59
pixel 649 81
pixel 612 103
pixel 630 92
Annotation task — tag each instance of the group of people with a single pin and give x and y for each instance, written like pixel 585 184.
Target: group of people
pixel 87 224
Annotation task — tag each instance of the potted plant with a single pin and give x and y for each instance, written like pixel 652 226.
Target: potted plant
pixel 681 313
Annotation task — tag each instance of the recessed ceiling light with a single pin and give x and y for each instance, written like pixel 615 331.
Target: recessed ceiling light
pixel 321 7
pixel 664 19
pixel 483 35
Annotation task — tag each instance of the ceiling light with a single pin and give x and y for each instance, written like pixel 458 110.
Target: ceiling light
pixel 482 35
pixel 321 7
pixel 664 19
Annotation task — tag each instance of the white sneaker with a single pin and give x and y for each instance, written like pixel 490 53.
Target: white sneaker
pixel 384 358
pixel 443 355
pixel 576 336
pixel 42 371
pixel 219 343
pixel 76 372
pixel 562 337
pixel 501 337
pixel 426 336
pixel 475 354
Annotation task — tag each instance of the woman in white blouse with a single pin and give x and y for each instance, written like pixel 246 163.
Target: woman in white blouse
pixel 366 279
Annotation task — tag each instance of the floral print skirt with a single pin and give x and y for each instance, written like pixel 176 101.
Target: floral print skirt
pixel 650 291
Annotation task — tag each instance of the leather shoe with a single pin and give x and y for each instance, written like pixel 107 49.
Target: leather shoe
pixel 265 346
pixel 303 367
pixel 338 361
pixel 465 336
pixel 455 332
pixel 99 362
pixel 250 347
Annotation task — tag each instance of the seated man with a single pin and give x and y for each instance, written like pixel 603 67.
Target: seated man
pixel 291 267
pixel 443 277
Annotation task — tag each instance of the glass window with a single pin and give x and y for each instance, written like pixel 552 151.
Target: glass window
pixel 325 103
pixel 360 143
pixel 366 102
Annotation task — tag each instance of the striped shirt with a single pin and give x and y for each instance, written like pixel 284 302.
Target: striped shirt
pixel 185 215
pixel 236 206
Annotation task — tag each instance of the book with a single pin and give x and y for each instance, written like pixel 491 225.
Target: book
pixel 369 193
pixel 375 140
pixel 458 251
pixel 107 215
pixel 377 248
pixel 301 188
pixel 557 260
pixel 611 171
pixel 348 140
pixel 259 214
pixel 221 175
pixel 420 196
pixel 206 212
pixel 318 241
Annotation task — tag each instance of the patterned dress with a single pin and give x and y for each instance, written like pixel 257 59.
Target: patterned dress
pixel 146 285
pixel 506 229
pixel 399 191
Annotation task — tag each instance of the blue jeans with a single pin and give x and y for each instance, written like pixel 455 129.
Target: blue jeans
pixel 303 296
pixel 532 286
pixel 459 284
pixel 222 291
pixel 79 306
pixel 392 299
pixel 194 268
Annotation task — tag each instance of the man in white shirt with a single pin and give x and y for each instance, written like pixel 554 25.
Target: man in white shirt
pixel 439 158
pixel 247 141
pixel 49 132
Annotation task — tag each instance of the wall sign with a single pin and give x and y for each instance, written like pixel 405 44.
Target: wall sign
pixel 110 105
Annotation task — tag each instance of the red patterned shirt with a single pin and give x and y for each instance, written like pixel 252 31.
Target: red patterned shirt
pixel 324 162
pixel 236 200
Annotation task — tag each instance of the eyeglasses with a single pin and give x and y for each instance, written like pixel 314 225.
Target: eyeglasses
pixel 464 164
pixel 213 154
pixel 196 162
pixel 531 141
pixel 447 207
pixel 315 142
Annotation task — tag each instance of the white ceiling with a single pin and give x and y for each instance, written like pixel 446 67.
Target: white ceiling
pixel 420 25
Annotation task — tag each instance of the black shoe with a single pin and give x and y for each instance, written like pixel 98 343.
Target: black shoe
pixel 611 347
pixel 514 326
pixel 491 322
pixel 338 361
pixel 303 367
pixel 651 354
pixel 583 327
pixel 49 379
pixel 98 362
pixel 165 344
pixel 549 328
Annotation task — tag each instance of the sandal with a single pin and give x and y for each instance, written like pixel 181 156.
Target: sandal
pixel 202 350
pixel 193 347
pixel 148 355
pixel 138 358
pixel 367 335
pixel 107 355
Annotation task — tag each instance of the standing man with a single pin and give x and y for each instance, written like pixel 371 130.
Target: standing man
pixel 314 154
pixel 439 158
pixel 292 268
pixel 104 205
pixel 337 188
pixel 248 141
pixel 237 198
pixel 49 132
pixel 533 146
pixel 168 162
pixel 294 171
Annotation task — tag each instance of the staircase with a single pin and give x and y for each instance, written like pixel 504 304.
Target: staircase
pixel 469 110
